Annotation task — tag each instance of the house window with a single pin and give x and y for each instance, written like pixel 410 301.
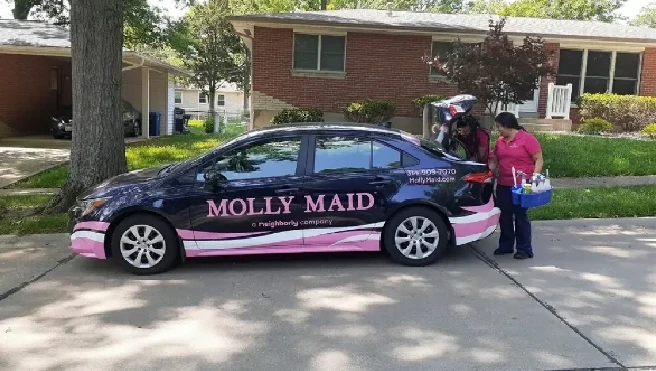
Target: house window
pixel 202 98
pixel 319 52
pixel 442 50
pixel 178 97
pixel 591 71
pixel 220 100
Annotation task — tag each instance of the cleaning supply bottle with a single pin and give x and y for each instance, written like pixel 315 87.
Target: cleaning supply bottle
pixel 547 181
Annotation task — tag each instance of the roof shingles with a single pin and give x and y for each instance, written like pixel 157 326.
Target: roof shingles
pixel 30 33
pixel 461 23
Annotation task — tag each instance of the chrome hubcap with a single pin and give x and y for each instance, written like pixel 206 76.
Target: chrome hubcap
pixel 143 246
pixel 417 237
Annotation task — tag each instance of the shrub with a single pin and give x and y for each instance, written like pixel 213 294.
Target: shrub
pixel 429 98
pixel 370 111
pixel 298 115
pixel 650 130
pixel 628 112
pixel 208 124
pixel 595 126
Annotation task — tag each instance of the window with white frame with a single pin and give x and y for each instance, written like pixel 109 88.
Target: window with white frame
pixel 442 50
pixel 319 52
pixel 220 100
pixel 202 98
pixel 591 71
pixel 178 97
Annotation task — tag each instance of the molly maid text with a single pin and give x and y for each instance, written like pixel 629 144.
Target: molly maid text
pixel 281 204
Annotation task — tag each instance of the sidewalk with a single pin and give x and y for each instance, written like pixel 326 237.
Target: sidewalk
pixel 606 181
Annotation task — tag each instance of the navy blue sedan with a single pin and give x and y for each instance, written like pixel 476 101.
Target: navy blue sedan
pixel 297 188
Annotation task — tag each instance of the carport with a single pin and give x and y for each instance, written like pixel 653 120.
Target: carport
pixel 37 80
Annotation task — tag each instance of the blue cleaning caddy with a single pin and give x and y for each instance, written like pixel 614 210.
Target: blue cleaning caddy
pixel 531 199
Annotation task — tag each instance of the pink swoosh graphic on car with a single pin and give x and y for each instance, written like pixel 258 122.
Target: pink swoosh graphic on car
pixel 95 226
pixel 195 235
pixel 481 209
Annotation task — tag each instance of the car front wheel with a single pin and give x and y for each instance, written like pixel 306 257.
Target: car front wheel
pixel 144 244
pixel 416 237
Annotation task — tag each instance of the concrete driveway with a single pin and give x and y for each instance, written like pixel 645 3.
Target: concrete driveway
pixel 587 300
pixel 26 156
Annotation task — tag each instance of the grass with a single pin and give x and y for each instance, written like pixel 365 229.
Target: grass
pixel 31 224
pixel 23 201
pixel 588 156
pixel 37 224
pixel 598 202
pixel 153 152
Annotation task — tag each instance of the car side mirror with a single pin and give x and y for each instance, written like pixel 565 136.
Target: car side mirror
pixel 214 179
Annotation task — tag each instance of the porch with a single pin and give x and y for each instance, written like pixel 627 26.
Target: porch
pixel 556 112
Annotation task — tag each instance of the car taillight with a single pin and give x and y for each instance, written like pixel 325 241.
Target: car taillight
pixel 485 177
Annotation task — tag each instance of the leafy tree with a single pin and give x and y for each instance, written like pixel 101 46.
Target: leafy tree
pixel 211 50
pixel 600 10
pixel 496 71
pixel 647 16
pixel 143 24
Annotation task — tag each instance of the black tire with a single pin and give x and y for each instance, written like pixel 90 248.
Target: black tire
pixel 399 218
pixel 171 250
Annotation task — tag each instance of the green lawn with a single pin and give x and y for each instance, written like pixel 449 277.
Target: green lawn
pixel 598 202
pixel 153 152
pixel 587 156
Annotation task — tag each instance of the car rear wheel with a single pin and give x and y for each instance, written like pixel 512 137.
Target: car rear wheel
pixel 416 237
pixel 144 244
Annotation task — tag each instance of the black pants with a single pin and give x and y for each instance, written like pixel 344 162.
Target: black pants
pixel 514 224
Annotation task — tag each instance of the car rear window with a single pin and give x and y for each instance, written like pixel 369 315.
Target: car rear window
pixel 436 148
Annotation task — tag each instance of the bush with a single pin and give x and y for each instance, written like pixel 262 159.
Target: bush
pixel 208 124
pixel 650 130
pixel 595 126
pixel 429 98
pixel 628 112
pixel 298 115
pixel 370 111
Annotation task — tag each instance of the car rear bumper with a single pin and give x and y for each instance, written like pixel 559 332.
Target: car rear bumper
pixel 476 226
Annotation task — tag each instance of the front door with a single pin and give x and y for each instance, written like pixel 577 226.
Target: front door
pixel 350 180
pixel 258 205
pixel 531 100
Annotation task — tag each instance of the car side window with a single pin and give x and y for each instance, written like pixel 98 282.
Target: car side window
pixel 385 157
pixel 342 155
pixel 270 159
pixel 334 155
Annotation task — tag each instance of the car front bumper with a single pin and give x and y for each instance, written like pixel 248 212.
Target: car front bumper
pixel 87 237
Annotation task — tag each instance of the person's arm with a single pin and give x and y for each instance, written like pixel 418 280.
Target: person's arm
pixel 493 164
pixel 539 162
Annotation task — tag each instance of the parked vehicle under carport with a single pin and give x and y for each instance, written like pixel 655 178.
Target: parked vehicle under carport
pixel 62 126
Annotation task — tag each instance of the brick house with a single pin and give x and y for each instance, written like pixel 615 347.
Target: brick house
pixel 36 77
pixel 326 59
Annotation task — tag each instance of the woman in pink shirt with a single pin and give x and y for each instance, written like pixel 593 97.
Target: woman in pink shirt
pixel 519 149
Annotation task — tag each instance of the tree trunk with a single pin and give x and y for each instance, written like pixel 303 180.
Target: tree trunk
pixel 98 146
pixel 215 115
pixel 324 4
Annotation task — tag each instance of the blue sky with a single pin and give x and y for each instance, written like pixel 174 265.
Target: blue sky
pixel 630 9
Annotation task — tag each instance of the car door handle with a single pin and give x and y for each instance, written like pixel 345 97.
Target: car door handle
pixel 380 182
pixel 285 190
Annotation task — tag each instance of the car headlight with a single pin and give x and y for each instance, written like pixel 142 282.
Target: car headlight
pixel 90 205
